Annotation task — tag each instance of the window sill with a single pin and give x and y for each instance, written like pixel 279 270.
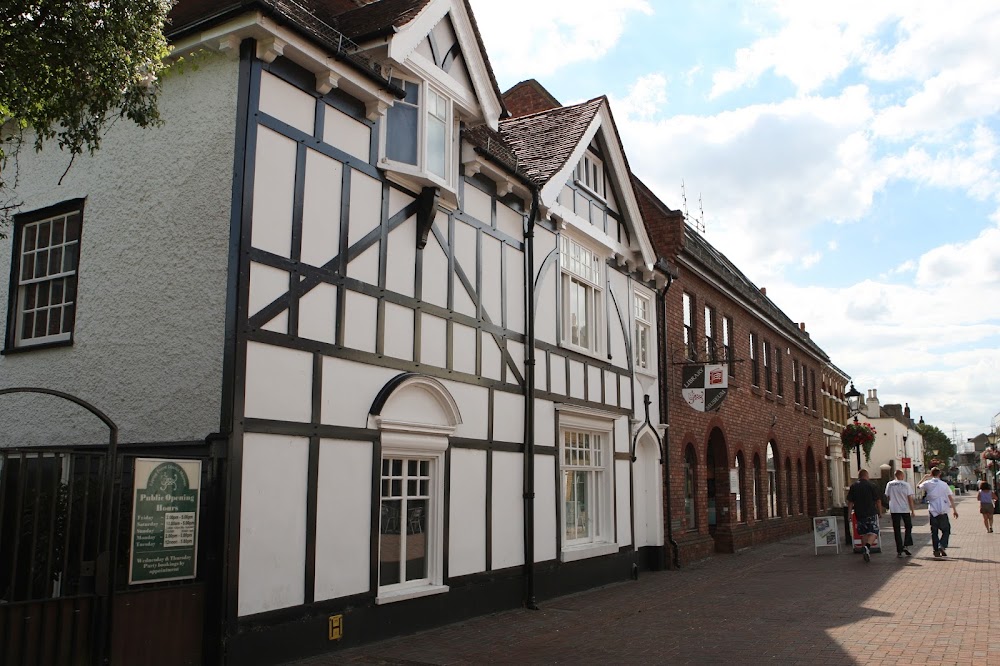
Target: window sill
pixel 583 351
pixel 645 372
pixel 392 596
pixel 29 348
pixel 415 179
pixel 586 188
pixel 574 553
pixel 756 390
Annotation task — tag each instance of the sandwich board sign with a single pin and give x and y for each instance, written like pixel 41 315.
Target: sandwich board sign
pixel 825 533
pixel 165 508
pixel 704 385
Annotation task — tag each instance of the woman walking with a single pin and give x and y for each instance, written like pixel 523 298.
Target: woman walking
pixel 986 499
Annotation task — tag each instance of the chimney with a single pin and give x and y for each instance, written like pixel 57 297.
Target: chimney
pixel 906 411
pixel 763 290
pixel 871 404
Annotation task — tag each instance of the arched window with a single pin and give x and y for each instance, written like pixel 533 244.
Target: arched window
pixel 789 495
pixel 741 493
pixel 757 496
pixel 415 416
pixel 689 488
pixel 772 482
pixel 802 487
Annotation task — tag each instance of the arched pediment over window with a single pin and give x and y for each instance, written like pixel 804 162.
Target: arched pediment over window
pixel 414 402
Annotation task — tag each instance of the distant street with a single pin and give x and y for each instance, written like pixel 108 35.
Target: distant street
pixel 778 603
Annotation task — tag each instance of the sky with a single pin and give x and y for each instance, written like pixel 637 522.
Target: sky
pixel 845 155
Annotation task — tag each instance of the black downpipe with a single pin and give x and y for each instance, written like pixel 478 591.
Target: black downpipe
pixel 661 325
pixel 529 406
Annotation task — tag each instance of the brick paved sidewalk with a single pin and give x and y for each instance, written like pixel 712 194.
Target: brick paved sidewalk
pixel 777 603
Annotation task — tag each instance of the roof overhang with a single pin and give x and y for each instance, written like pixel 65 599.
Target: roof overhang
pixel 615 159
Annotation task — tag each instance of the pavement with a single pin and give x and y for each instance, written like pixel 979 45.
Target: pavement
pixel 778 603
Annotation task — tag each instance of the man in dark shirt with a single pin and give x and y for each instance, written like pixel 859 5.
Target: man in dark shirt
pixel 863 497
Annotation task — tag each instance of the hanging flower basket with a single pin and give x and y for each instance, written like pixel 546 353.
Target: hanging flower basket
pixel 991 453
pixel 859 435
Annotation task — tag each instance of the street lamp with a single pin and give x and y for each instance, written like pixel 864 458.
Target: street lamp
pixel 993 455
pixel 854 406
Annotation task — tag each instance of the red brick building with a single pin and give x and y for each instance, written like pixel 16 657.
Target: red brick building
pixel 753 469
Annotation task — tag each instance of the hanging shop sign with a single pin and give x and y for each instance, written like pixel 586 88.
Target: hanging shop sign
pixel 165 511
pixel 704 385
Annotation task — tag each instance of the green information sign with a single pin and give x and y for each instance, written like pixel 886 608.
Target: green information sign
pixel 165 520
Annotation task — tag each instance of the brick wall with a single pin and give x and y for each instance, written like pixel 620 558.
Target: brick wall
pixel 748 419
pixel 528 97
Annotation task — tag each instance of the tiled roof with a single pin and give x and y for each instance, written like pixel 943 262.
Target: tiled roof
pixel 489 142
pixel 543 142
pixel 378 18
pixel 187 13
pixel 718 264
pixel 323 20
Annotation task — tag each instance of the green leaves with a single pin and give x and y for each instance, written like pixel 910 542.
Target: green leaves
pixel 68 68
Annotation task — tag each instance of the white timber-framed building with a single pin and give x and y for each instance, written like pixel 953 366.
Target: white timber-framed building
pixel 426 349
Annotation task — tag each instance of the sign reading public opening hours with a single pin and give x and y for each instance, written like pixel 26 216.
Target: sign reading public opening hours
pixel 164 520
pixel 704 385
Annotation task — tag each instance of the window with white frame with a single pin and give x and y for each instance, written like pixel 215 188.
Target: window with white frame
pixel 643 331
pixel 710 348
pixel 411 499
pixel 687 304
pixel 582 289
pixel 44 276
pixel 590 174
pixel 588 494
pixel 419 132
pixel 727 329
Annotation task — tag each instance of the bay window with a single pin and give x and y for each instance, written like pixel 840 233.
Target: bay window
pixel 419 133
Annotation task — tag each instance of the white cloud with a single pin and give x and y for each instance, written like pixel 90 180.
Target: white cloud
pixel 816 43
pixel 542 37
pixel 646 98
pixel 931 342
pixel 769 173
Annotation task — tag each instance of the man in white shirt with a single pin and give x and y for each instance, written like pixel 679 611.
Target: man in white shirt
pixel 939 498
pixel 900 495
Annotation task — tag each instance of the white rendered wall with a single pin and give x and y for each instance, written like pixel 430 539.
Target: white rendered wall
pixel 467 547
pixel 273 522
pixel 343 519
pixel 152 277
pixel 508 510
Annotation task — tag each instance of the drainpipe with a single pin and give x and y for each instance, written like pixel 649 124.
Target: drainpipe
pixel 661 326
pixel 529 406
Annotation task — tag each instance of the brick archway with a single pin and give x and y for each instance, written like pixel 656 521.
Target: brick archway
pixel 717 480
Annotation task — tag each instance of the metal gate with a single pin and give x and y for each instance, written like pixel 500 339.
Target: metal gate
pixel 57 602
pixel 52 510
pixel 65 540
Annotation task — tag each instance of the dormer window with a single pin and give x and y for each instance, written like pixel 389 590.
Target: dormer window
pixel 419 136
pixel 590 174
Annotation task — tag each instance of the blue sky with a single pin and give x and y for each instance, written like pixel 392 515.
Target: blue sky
pixel 846 154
